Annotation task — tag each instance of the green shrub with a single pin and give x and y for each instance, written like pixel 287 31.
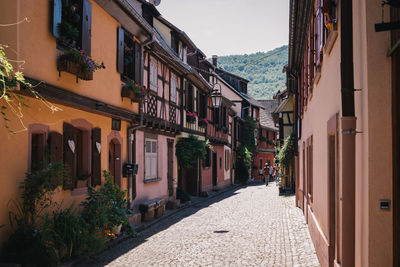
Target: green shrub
pixel 182 196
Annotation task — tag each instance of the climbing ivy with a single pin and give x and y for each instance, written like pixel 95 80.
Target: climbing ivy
pixel 189 150
pixel 286 153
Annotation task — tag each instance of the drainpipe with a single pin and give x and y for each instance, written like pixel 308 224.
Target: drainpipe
pixel 131 133
pixel 348 126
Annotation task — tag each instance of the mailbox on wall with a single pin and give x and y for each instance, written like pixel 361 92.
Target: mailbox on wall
pixel 130 168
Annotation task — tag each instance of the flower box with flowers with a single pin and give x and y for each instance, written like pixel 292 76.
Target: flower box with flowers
pixel 134 91
pixel 203 122
pixel 76 62
pixel 191 117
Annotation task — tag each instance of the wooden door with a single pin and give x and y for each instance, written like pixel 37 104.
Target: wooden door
pixel 114 161
pixel 170 170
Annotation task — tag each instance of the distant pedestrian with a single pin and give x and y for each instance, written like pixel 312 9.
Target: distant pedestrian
pixel 266 171
pixel 261 174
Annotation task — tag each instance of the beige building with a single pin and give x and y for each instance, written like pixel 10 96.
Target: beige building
pixel 342 73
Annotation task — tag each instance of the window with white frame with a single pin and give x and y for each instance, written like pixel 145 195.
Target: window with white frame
pixel 150 158
pixel 153 74
pixel 173 87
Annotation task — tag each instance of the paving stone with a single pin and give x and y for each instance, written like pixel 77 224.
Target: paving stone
pixel 250 226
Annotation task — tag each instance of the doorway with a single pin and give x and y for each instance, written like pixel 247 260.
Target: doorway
pixel 214 169
pixel 114 160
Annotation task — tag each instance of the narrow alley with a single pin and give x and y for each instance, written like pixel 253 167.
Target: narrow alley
pixel 249 226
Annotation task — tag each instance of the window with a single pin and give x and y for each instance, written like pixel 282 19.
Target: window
pixel 261 163
pixel 129 56
pixel 72 23
pixel 153 75
pixel 202 106
pixel 190 97
pixel 227 159
pixel 207 160
pixel 77 151
pixel 37 151
pixel 150 158
pixel 220 162
pixel 173 88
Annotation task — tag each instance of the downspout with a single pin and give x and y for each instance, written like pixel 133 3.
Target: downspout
pixel 293 85
pixel 131 133
pixel 348 127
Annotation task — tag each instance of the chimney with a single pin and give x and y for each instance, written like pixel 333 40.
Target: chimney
pixel 215 60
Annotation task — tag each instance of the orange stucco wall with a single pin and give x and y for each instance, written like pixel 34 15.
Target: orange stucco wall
pixel 14 152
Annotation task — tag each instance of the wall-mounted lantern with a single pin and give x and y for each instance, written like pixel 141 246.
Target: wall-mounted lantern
pixel 216 95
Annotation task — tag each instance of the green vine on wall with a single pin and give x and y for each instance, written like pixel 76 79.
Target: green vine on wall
pixel 286 153
pixel 189 150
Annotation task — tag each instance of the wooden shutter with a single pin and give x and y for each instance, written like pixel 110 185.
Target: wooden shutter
pixel 150 158
pixel 173 88
pixel 312 51
pixel 96 157
pixel 86 27
pixel 57 11
pixel 120 50
pixel 55 142
pixel 69 155
pixel 138 62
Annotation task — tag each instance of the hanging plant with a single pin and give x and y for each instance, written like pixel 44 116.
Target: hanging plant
pixel 189 150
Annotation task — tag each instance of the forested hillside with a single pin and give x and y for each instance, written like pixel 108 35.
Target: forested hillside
pixel 262 69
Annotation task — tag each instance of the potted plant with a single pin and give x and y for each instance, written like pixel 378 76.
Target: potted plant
pixel 203 122
pixel 191 117
pixel 134 91
pixel 76 62
pixel 81 180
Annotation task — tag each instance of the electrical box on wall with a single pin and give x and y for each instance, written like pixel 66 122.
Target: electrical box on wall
pixel 130 168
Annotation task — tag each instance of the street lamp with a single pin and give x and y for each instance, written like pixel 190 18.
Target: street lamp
pixel 216 95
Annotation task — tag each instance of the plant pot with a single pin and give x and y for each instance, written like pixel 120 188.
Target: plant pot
pixel 67 65
pixel 117 229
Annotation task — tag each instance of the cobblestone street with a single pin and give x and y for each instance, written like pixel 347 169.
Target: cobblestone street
pixel 249 226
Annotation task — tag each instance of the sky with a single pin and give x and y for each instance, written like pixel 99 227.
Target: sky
pixel 230 27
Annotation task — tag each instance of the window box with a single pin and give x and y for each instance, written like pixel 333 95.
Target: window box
pixel 134 91
pixel 203 123
pixel 68 65
pixel 76 62
pixel 191 117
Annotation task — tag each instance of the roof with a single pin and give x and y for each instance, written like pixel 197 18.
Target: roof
pixel 231 74
pixel 266 119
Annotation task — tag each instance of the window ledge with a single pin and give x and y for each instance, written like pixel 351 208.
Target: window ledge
pixel 151 180
pixel 79 191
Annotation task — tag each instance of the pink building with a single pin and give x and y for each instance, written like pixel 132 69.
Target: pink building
pixel 343 75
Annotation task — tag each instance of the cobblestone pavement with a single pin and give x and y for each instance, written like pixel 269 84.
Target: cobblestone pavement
pixel 249 226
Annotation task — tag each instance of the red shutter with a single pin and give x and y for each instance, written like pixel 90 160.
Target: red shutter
pixel 57 11
pixel 69 155
pixel 96 157
pixel 87 27
pixel 120 50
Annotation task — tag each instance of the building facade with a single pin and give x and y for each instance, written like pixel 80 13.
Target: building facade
pixel 343 80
